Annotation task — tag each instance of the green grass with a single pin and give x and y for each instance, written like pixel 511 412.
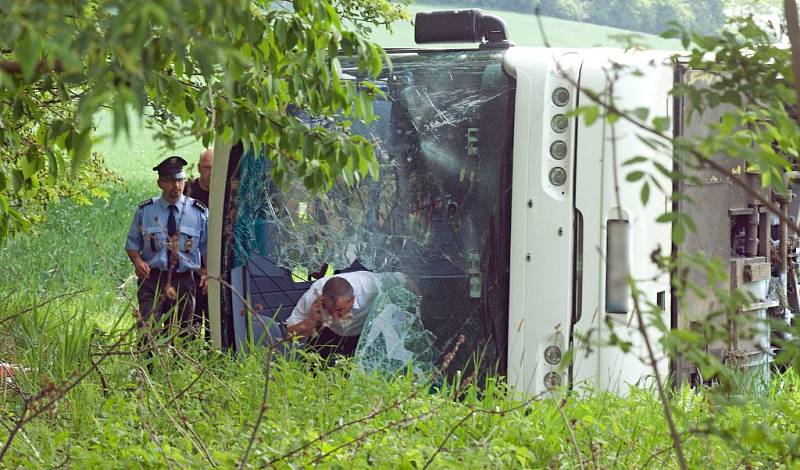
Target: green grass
pixel 524 30
pixel 135 157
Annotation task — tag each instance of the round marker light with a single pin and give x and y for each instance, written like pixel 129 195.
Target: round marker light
pixel 559 123
pixel 558 176
pixel 552 380
pixel 560 96
pixel 552 354
pixel 558 149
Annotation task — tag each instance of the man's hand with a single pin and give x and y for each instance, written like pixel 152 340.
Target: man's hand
pixel 316 309
pixel 309 326
pixel 203 280
pixel 142 268
pixel 139 265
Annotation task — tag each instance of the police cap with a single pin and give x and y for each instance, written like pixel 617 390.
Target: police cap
pixel 171 168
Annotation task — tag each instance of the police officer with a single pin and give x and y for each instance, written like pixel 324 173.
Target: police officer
pixel 167 244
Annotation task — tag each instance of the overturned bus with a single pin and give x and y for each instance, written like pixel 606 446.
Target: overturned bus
pixel 506 211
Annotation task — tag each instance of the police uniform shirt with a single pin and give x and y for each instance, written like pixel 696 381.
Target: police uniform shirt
pixel 148 233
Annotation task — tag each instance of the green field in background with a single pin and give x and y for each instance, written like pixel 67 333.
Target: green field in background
pixel 524 30
pixel 134 156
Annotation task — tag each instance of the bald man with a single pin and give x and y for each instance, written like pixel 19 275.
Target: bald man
pixel 198 189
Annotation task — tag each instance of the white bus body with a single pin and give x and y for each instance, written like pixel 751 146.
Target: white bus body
pixel 577 228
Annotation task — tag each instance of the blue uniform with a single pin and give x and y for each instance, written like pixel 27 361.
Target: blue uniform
pixel 148 233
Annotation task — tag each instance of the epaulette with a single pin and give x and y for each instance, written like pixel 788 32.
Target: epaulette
pixel 146 203
pixel 200 205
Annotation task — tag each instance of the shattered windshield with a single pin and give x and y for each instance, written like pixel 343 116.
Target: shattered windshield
pixel 438 213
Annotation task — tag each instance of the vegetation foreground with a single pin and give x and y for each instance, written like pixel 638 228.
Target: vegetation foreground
pixel 67 300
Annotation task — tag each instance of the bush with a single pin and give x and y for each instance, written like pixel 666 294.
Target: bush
pixel 567 9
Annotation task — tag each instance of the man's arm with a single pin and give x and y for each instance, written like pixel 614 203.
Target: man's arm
pixel 304 329
pixel 133 246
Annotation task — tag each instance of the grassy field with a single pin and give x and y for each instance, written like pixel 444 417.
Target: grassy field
pixel 66 298
pixel 524 30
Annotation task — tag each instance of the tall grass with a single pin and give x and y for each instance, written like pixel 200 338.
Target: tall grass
pixel 69 290
pixel 341 417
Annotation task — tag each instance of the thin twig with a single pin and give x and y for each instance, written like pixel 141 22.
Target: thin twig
pixel 145 421
pixel 474 412
pixel 366 434
pixel 673 431
pixel 194 438
pixel 201 367
pixel 183 391
pixel 368 417
pixel 397 403
pixel 571 434
pixel 261 411
pixel 42 304
pixel 654 455
pixel 26 417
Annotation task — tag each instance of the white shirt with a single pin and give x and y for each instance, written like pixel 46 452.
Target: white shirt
pixel 366 286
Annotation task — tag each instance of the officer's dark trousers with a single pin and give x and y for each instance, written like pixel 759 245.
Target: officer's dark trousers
pixel 159 314
pixel 201 310
pixel 327 343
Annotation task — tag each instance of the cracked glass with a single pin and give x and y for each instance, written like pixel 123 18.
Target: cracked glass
pixel 439 213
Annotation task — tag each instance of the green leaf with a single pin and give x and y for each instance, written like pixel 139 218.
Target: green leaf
pixel 590 114
pixel 28 56
pixel 188 102
pixel 17 180
pixel 670 34
pixel 667 217
pixel 634 176
pixel 678 233
pixel 687 337
pixel 82 149
pixel 634 160
pixel 662 124
pixel 727 123
pixel 662 169
pixel 645 193
pixel 641 113
pixel 652 142
pixel 690 225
